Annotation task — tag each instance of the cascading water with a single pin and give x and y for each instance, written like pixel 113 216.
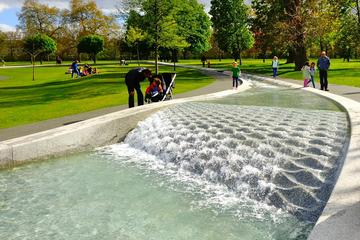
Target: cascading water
pixel 266 156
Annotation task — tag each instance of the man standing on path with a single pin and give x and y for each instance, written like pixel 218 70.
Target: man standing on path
pixel 323 65
pixel 132 80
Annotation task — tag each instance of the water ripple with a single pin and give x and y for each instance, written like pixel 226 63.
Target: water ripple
pixel 287 158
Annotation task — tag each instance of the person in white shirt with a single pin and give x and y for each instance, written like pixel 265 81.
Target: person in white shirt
pixel 275 66
pixel 306 73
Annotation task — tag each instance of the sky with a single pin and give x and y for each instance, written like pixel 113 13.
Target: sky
pixel 9 9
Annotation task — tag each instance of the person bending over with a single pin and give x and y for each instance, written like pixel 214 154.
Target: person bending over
pixel 132 80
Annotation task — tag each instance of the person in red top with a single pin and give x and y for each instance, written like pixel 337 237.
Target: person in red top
pixel 154 91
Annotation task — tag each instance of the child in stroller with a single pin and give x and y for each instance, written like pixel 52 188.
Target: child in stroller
pixel 154 93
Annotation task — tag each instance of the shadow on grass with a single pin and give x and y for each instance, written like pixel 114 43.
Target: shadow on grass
pixel 73 81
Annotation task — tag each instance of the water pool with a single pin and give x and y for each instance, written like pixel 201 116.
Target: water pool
pixel 225 169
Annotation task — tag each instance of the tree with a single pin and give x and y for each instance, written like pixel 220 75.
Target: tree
pixel 85 18
pixel 3 39
pixel 170 38
pixel 262 25
pixel 37 44
pixel 171 22
pixel 125 7
pixel 230 21
pixel 284 25
pixel 91 44
pixel 35 17
pixel 155 13
pixel 193 24
pixel 133 37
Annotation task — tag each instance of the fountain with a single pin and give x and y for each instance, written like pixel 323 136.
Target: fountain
pixel 255 165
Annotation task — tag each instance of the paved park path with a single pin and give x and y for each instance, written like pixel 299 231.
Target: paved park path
pixel 221 83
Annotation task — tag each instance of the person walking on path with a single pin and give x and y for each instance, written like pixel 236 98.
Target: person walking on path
pixel 275 66
pixel 323 65
pixel 312 74
pixel 132 80
pixel 235 74
pixel 306 73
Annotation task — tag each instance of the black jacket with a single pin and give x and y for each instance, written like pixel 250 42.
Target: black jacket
pixel 135 76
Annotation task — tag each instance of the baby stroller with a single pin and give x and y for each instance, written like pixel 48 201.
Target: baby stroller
pixel 167 84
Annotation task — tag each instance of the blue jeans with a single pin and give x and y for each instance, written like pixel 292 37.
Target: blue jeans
pixel 235 81
pixel 312 81
pixel 75 71
pixel 275 72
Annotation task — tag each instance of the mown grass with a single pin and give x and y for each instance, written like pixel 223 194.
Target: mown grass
pixel 341 73
pixel 54 94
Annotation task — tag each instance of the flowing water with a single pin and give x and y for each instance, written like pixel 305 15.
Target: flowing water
pixel 255 165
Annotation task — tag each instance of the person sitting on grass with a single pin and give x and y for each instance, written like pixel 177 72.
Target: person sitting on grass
pixel 88 68
pixel 154 91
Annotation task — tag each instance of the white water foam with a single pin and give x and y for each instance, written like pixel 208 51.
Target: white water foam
pixel 265 159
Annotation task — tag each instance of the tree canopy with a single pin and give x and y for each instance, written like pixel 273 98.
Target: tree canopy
pixel 230 21
pixel 293 29
pixel 172 24
pixel 91 44
pixel 38 44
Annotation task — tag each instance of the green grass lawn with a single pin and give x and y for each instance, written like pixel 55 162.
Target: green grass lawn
pixel 341 73
pixel 54 94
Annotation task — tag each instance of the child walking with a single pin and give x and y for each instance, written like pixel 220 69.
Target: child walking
pixel 275 66
pixel 306 73
pixel 235 74
pixel 312 74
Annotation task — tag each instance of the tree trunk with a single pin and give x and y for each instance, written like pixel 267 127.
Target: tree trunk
pixel 33 67
pixel 300 57
pixel 291 56
pixel 240 58
pixel 94 58
pixel 156 59
pixel 358 11
pixel 138 54
pixel 321 45
pixel 174 58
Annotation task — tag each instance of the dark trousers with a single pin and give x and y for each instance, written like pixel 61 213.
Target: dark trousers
pixel 140 96
pixel 235 81
pixel 323 80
